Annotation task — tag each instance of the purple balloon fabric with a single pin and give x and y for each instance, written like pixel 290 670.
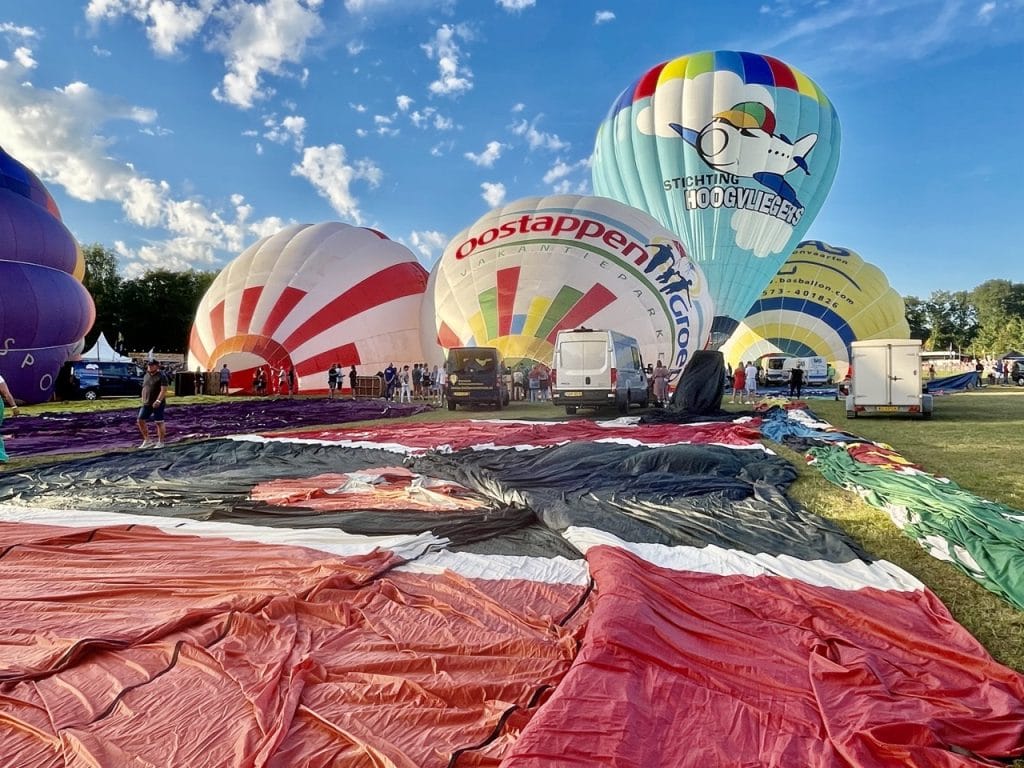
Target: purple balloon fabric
pixel 86 431
pixel 44 310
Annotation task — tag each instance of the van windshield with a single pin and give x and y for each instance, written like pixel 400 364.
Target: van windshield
pixel 471 361
pixel 584 356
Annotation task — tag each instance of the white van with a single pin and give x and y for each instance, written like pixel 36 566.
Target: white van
pixel 592 369
pixel 777 367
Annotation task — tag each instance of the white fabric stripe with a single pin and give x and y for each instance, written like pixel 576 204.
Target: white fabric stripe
pixel 331 540
pixel 550 570
pixel 446 448
pixel 852 575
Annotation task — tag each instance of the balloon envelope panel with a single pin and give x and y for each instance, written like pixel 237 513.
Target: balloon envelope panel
pixel 733 151
pixel 44 310
pixel 822 299
pixel 309 296
pixel 538 265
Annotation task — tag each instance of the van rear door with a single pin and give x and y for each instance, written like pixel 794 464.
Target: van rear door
pixel 584 363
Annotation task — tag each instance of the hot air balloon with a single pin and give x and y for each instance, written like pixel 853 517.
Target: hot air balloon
pixel 735 152
pixel 44 310
pixel 821 300
pixel 309 296
pixel 539 265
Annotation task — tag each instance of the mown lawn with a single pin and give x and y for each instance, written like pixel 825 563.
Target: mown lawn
pixel 974 438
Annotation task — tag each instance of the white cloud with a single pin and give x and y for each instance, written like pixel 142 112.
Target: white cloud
pixel 424 118
pixel 403 102
pixel 986 12
pixel 59 133
pixel 23 56
pixel 255 38
pixel 13 30
pixel 602 17
pixel 494 193
pixel 516 108
pixel 453 78
pixel 260 39
pixel 385 125
pixel 429 243
pixel 538 139
pixel 486 158
pixel 355 47
pixel 327 169
pixel 358 107
pixel 168 25
pixel 514 6
pixel 291 129
pixel 561 177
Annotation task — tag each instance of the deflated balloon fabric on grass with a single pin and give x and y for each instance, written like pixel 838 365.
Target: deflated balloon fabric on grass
pixel 726 625
pixel 84 431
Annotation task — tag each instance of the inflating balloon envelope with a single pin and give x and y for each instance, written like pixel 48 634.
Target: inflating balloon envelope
pixel 310 296
pixel 822 299
pixel 539 265
pixel 735 152
pixel 45 311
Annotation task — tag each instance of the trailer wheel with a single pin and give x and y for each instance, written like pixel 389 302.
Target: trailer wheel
pixel 570 410
pixel 451 405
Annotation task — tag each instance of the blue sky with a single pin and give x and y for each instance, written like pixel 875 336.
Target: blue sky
pixel 178 133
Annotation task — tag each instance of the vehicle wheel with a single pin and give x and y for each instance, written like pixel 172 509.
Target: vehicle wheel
pixel 570 410
pixel 451 405
pixel 91 394
pixel 926 415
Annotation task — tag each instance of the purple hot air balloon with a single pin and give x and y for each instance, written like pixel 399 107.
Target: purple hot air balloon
pixel 44 310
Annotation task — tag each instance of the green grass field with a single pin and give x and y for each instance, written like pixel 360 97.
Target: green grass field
pixel 974 438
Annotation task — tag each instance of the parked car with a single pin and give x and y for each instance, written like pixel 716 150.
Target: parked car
pixel 90 380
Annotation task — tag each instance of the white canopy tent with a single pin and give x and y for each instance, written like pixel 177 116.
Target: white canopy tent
pixel 102 352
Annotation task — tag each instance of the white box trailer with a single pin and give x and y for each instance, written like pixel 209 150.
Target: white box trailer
pixel 887 378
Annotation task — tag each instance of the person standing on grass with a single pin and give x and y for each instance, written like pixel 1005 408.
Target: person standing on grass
pixel 352 376
pixel 154 398
pixel 739 383
pixel 282 381
pixel 6 398
pixel 660 376
pixel 796 380
pixel 405 393
pixel 333 374
pixel 750 373
pixel 225 379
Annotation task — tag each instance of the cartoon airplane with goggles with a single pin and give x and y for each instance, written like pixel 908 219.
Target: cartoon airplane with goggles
pixel 742 141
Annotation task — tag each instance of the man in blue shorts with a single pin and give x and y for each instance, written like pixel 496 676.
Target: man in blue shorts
pixel 154 395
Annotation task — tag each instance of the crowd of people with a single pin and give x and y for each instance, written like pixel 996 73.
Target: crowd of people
pixel 419 383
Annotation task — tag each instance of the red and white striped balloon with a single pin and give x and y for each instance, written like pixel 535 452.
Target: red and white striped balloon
pixel 309 296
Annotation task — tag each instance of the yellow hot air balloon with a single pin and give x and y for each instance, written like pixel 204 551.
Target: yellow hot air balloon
pixel 822 299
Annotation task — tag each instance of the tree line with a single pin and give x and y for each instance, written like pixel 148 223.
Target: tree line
pixel 156 311
pixel 986 321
